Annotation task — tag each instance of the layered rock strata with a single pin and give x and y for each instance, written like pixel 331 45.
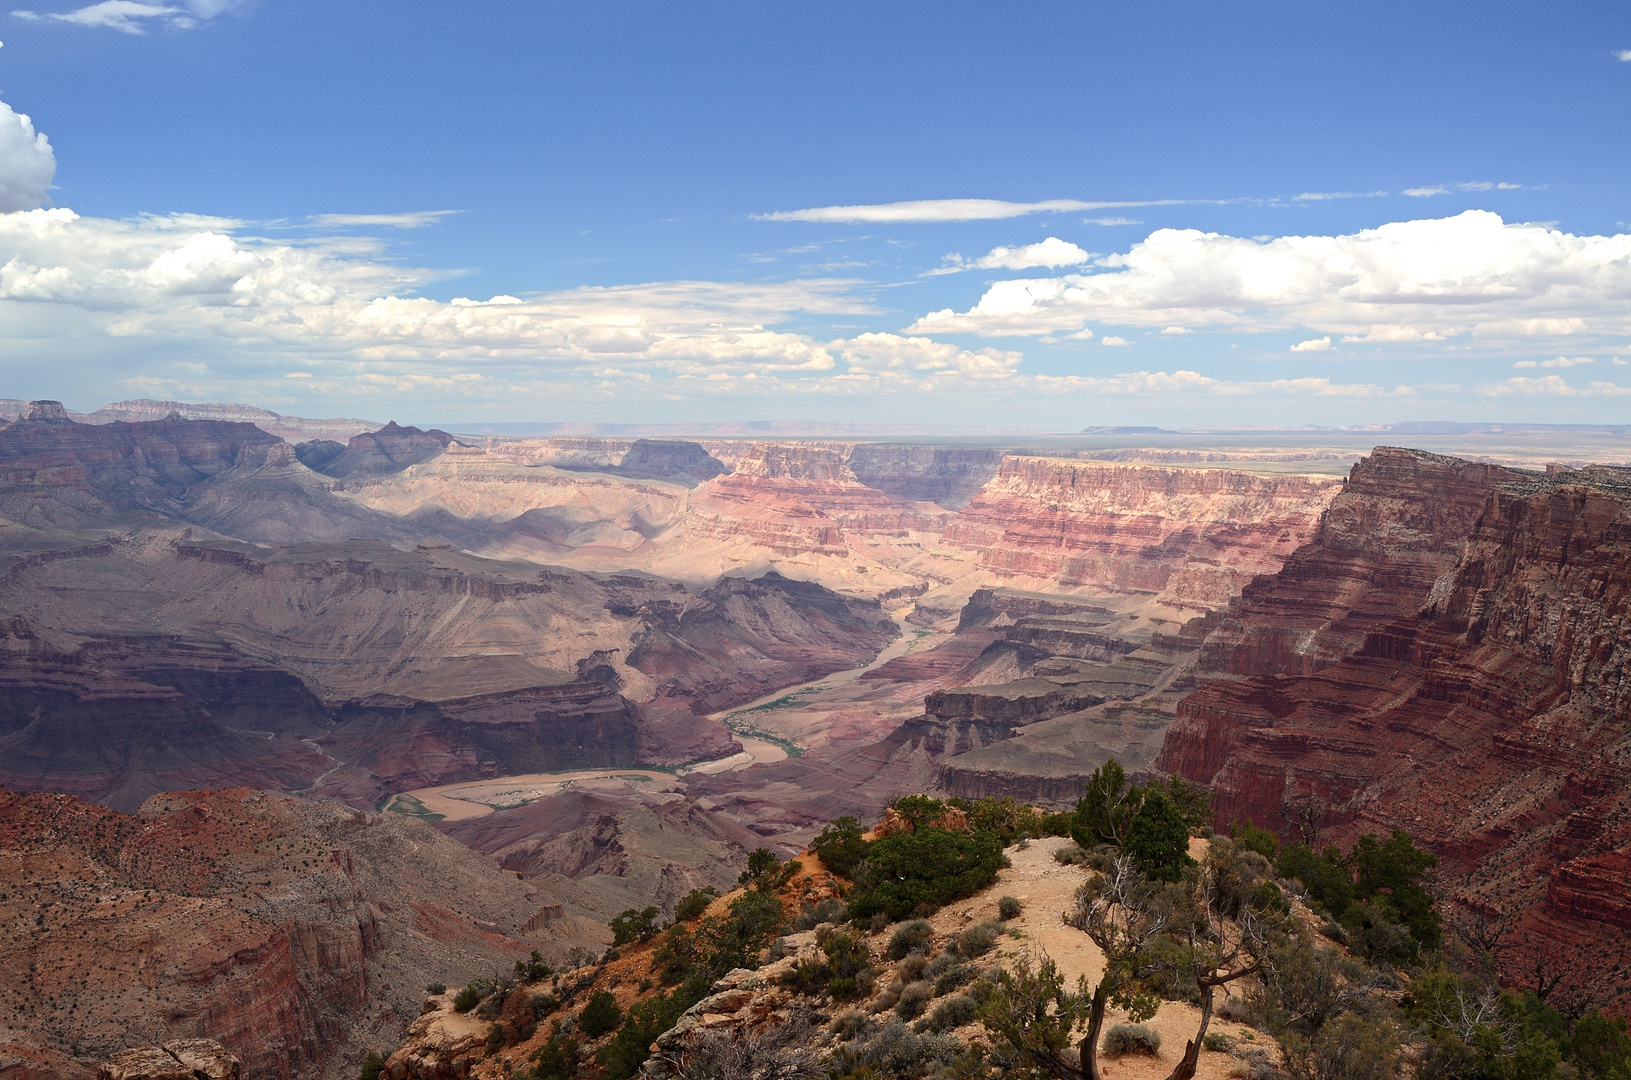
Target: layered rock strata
pixel 800 499
pixel 1397 526
pixel 1494 726
pixel 1194 536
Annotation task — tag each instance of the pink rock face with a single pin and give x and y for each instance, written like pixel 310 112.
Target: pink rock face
pixel 1395 528
pixel 1494 726
pixel 1197 535
pixel 802 499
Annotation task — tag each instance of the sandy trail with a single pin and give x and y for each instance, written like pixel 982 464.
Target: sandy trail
pixel 1048 890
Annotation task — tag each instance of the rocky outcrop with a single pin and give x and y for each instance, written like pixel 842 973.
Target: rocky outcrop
pixel 184 1059
pixel 947 476
pixel 1397 526
pixel 282 929
pixel 1195 536
pixel 1495 726
pixel 374 453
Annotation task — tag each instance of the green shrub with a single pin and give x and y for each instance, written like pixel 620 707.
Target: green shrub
pixel 1158 838
pixel 909 937
pixel 761 862
pixel 600 1015
pixel 372 1066
pixel 1131 1039
pixel 532 969
pixel 635 926
pixel 466 999
pixel 1252 838
pixel 1009 908
pixel 631 1046
pixel 557 1059
pixel 1216 1041
pixel 953 1012
pixel 436 988
pixel 840 846
pixel 694 903
pixel 926 868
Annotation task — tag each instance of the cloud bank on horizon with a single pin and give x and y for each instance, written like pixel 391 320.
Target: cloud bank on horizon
pixel 1384 302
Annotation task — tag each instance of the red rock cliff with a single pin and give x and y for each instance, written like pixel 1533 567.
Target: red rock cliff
pixel 288 931
pixel 1395 528
pixel 1495 726
pixel 1196 534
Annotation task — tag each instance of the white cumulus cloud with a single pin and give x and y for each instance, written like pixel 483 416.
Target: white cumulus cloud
pixel 1319 344
pixel 1052 252
pixel 27 164
pixel 1422 280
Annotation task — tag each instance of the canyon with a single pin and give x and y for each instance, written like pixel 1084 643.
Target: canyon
pixel 281 627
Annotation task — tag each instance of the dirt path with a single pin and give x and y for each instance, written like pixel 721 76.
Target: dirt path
pixel 1048 890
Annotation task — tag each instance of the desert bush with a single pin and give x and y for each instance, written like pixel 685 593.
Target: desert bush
pixel 1009 908
pixel 1131 1039
pixel 830 910
pixel 436 988
pixel 372 1066
pixel 914 999
pixel 694 903
pixel 466 999
pixel 600 1015
pixel 912 968
pixel 953 1012
pixel 849 1025
pixel 951 979
pixel 895 1051
pixel 909 937
pixel 1350 1047
pixel 1070 856
pixel 1216 1041
pixel 977 940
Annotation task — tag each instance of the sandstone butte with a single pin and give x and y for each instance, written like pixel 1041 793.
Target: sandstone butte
pixel 1491 719
pixel 282 928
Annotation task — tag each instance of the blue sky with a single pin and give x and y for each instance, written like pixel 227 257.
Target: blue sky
pixel 1252 214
